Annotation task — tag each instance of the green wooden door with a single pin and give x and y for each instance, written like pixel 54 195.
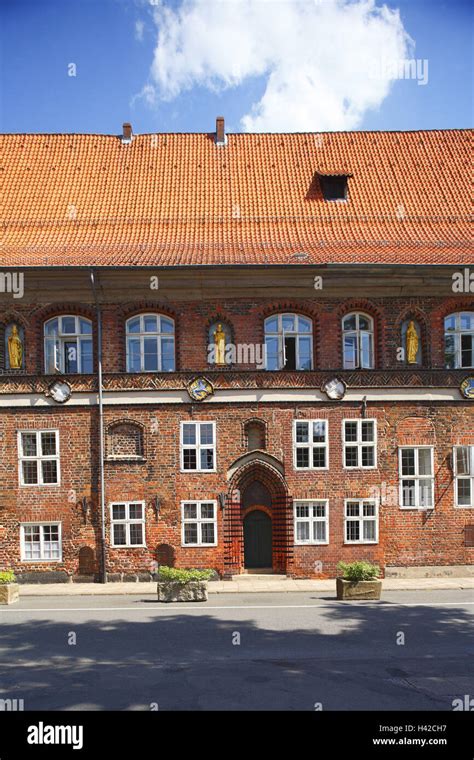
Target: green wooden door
pixel 257 540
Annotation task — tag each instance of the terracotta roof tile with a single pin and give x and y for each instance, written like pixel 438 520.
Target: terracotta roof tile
pixel 178 199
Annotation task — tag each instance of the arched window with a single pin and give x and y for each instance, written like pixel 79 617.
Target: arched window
pixel 358 341
pixel 68 345
pixel 411 342
pixel 14 347
pixel 125 441
pixel 459 340
pixel 288 342
pixel 150 343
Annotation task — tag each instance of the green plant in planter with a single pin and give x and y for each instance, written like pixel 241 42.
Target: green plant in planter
pixel 176 575
pixel 358 571
pixel 7 576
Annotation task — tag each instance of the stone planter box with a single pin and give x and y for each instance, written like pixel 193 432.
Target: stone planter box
pixel 171 591
pixel 358 589
pixel 9 593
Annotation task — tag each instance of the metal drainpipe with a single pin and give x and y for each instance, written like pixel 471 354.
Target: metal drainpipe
pixel 103 568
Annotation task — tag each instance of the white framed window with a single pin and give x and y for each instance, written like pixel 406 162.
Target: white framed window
pixel 198 446
pixel 358 341
pixel 41 542
pixel 311 521
pixel 150 343
pixel 416 467
pixel 199 523
pixel 459 340
pixel 310 444
pixel 361 521
pixel 38 457
pixel 68 345
pixel 127 520
pixel 359 438
pixel 463 466
pixel 288 342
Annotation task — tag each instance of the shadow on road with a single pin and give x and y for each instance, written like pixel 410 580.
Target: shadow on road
pixel 357 656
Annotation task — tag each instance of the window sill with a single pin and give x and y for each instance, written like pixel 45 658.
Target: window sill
pixel 311 469
pixel 349 469
pixel 39 485
pixel 129 459
pixel 360 543
pixel 311 543
pixel 197 472
pixel 416 509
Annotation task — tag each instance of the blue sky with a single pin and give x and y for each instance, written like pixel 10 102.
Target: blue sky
pixel 305 68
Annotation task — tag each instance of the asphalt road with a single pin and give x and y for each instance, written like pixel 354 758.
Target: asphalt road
pixel 255 651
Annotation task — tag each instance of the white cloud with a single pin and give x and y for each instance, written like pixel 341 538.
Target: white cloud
pixel 316 56
pixel 147 93
pixel 139 29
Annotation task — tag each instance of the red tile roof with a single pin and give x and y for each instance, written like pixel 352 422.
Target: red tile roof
pixel 178 199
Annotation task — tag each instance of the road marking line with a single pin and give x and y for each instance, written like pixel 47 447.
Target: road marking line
pixel 228 607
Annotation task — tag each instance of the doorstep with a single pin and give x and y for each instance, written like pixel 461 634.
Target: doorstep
pixel 264 577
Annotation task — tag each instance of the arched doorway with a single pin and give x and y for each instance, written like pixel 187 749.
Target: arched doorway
pixel 257 540
pixel 265 540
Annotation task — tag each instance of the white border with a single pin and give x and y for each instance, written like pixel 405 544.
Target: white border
pixel 310 445
pixel 455 478
pixel 360 500
pixel 22 541
pixel 141 335
pixel 359 443
pixel 280 335
pixel 140 396
pixel 198 521
pixel 311 520
pixel 197 446
pixel 127 522
pixel 415 477
pixel 21 458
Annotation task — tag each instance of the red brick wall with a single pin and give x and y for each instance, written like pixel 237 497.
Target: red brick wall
pixel 407 537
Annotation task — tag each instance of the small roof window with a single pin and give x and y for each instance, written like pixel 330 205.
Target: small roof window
pixel 334 186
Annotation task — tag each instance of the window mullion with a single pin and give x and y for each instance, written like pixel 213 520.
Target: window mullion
pixel 41 534
pixel 39 469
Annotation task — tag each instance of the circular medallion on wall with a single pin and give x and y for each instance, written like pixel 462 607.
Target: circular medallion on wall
pixel 200 389
pixel 60 391
pixel 467 387
pixel 335 389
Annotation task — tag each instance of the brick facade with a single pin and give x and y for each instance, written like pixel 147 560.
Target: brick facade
pixel 142 443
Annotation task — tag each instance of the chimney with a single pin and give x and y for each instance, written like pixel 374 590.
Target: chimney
pixel 127 132
pixel 220 131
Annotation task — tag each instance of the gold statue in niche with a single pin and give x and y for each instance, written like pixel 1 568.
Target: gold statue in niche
pixel 15 349
pixel 412 343
pixel 219 345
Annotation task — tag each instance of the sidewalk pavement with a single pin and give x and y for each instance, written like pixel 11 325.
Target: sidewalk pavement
pixel 242 585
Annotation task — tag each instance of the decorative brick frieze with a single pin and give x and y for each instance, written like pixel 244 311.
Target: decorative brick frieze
pixel 406 378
